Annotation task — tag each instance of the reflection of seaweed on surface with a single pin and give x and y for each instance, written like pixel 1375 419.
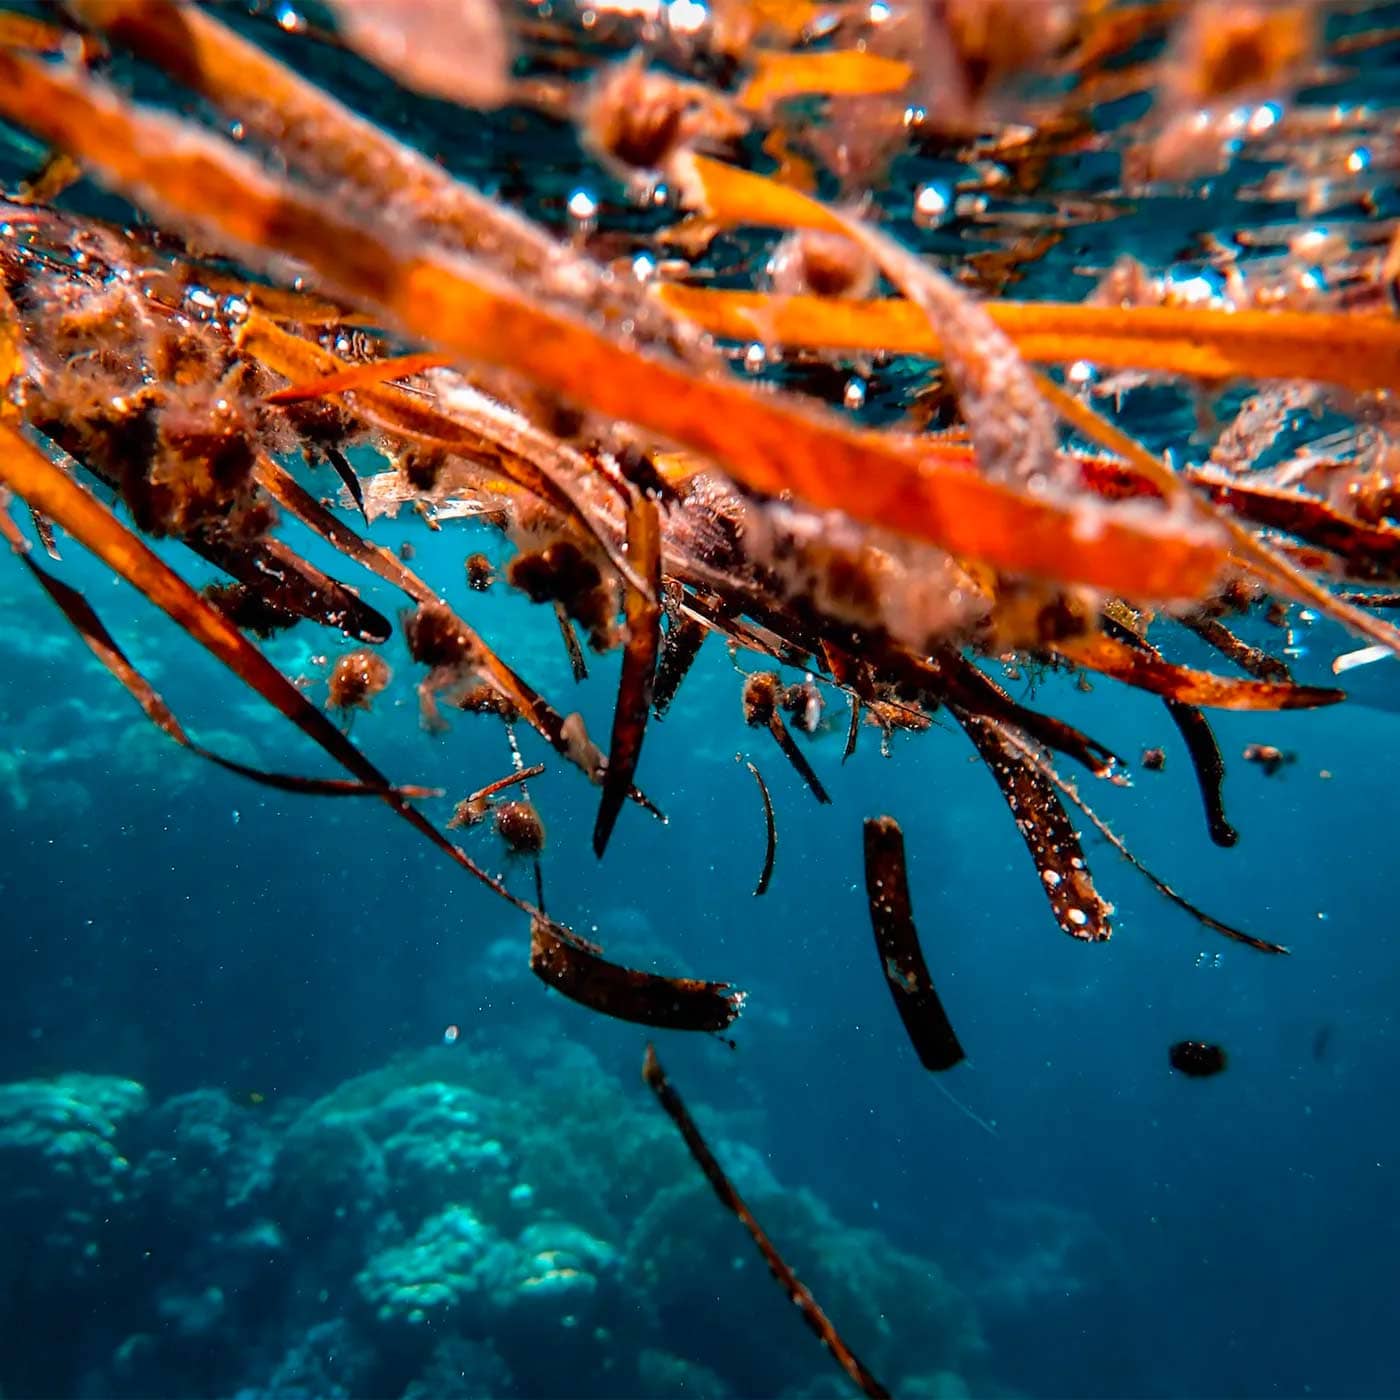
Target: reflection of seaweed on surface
pixel 318 302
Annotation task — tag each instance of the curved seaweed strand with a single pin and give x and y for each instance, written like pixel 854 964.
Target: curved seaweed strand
pixel 1206 759
pixel 797 1291
pixel 897 941
pixel 541 716
pixel 579 972
pixel 1200 741
pixel 772 444
pixel 1148 670
pixel 85 621
pixel 1069 790
pixel 1044 825
pixel 42 485
pixel 771 830
pixel 1255 660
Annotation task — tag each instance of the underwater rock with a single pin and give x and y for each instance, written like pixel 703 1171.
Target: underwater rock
pixel 882 1295
pixel 444 1148
pixel 460 1369
pixel 209 1156
pixel 428 1278
pixel 330 1362
pixel 65 1170
pixel 666 1376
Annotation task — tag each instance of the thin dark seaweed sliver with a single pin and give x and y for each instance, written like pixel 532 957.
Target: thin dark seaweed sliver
pixel 346 473
pixel 679 648
pixel 772 833
pixel 897 942
pixel 103 645
pixel 638 666
pixel 797 758
pixel 1199 737
pixel 566 630
pixel 1255 660
pixel 673 1003
pixel 278 575
pixel 795 1289
pixel 1209 765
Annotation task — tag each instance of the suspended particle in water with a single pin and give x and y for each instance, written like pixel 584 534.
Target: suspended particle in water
pixel 931 204
pixel 1197 1059
pixel 449 1036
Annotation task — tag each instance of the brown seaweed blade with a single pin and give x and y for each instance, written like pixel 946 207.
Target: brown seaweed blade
pixel 897 941
pixel 680 645
pixel 772 833
pixel 797 758
pixel 1257 662
pixel 576 970
pixel 547 722
pixel 347 474
pixel 638 665
pixel 44 487
pixel 521 775
pixel 279 576
pixel 1049 776
pixel 1200 742
pixel 1209 766
pixel 570 638
pixel 770 443
pixel 103 645
pixel 1376 548
pixel 1148 670
pixel 797 1291
pixel 358 377
pixel 1045 827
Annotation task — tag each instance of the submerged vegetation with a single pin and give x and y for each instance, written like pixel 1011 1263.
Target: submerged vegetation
pixel 740 411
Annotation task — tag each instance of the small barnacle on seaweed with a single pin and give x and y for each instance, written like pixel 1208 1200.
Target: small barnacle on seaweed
pixel 250 609
pixel 820 263
pixel 480 573
pixel 519 826
pixel 635 115
pixel 436 639
pixel 760 698
pixel 482 698
pixel 355 679
pixel 561 572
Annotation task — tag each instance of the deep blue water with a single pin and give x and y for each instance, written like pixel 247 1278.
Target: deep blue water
pixel 1121 1230
pixel 1124 1231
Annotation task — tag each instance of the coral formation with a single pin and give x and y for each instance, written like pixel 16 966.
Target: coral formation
pixel 454 1223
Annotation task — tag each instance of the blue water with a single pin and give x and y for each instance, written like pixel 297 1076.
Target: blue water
pixel 1124 1231
pixel 1108 1228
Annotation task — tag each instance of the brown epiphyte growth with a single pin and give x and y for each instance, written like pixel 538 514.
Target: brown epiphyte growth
pixel 520 827
pixel 355 679
pixel 480 573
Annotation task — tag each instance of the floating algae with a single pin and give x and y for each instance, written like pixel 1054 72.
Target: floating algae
pixel 653 408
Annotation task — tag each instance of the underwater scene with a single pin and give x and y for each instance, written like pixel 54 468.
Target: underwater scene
pixel 699 698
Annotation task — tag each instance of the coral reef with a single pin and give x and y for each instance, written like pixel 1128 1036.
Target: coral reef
pixel 455 1223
